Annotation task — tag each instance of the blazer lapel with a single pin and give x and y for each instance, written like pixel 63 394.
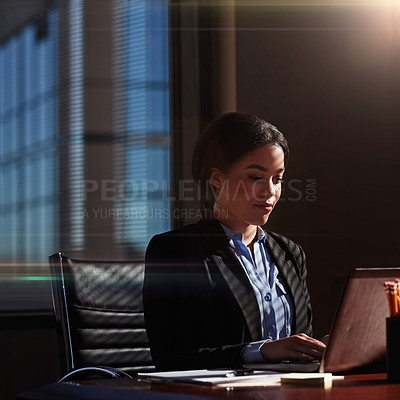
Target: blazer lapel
pixel 284 265
pixel 288 272
pixel 237 280
pixel 232 271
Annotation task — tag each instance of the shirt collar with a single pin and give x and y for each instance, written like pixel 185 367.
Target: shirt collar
pixel 233 235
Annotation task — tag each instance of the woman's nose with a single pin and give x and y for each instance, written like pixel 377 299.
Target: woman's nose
pixel 265 190
pixel 270 189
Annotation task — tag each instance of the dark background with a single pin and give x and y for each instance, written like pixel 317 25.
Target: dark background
pixel 328 78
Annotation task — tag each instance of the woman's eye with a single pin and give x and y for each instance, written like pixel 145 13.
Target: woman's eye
pixel 275 181
pixel 256 178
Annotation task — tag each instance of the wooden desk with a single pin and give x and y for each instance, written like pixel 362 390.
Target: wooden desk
pixel 353 387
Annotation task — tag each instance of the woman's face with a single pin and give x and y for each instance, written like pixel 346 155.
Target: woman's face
pixel 248 192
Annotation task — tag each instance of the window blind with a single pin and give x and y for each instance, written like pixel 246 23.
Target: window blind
pixel 29 144
pixel 43 143
pixel 142 127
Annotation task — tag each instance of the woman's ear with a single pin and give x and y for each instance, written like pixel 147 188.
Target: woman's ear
pixel 216 178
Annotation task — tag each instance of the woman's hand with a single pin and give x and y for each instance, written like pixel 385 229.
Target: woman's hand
pixel 296 347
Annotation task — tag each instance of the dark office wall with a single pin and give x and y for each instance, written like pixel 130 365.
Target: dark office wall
pixel 328 77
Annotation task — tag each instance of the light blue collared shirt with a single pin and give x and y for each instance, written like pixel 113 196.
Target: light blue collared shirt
pixel 273 301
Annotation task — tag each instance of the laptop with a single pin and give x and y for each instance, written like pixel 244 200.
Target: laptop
pixel 357 340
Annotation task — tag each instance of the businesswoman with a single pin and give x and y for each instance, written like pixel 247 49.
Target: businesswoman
pixel 225 292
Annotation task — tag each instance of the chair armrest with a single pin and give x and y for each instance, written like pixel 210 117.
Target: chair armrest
pixel 92 372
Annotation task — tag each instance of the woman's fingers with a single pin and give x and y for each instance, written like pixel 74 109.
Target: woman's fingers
pixel 296 347
pixel 308 345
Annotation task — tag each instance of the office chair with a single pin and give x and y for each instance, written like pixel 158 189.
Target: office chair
pixel 99 316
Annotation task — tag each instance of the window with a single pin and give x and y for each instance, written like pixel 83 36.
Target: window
pixel 50 147
pixel 142 152
pixel 29 143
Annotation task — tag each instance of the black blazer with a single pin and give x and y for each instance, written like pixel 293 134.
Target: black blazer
pixel 200 308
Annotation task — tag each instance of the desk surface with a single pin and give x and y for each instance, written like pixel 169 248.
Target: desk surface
pixel 353 387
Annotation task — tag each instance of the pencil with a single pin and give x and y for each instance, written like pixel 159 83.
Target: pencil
pixel 392 289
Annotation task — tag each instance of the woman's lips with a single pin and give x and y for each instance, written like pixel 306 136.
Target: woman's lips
pixel 264 207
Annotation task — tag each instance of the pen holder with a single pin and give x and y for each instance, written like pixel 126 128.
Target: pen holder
pixel 393 349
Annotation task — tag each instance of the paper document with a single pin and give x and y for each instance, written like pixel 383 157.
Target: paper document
pixel 212 377
pixel 287 366
pixel 241 378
